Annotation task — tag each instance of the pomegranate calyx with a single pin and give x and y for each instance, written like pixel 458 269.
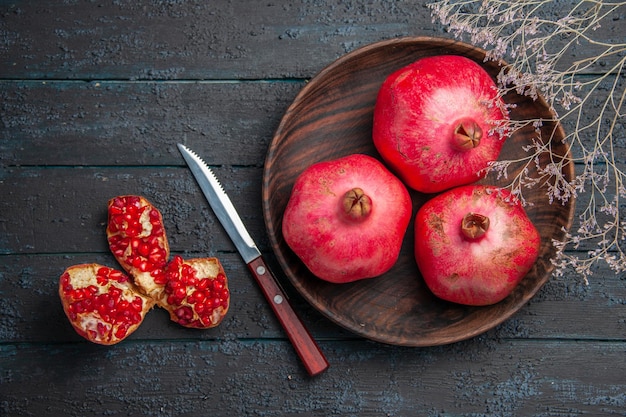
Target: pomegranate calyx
pixel 356 204
pixel 467 134
pixel 474 226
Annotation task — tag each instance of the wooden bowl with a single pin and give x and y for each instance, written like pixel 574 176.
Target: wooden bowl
pixel 332 117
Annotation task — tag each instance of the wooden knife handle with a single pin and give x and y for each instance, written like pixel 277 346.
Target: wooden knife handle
pixel 304 344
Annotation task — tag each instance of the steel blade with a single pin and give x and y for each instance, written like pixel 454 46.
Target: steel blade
pixel 221 204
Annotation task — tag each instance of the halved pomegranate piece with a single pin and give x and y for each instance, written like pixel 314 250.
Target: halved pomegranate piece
pixel 138 241
pixel 102 303
pixel 196 294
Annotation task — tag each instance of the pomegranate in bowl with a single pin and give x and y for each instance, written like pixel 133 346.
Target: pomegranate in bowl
pixel 438 122
pixel 346 218
pixel 474 244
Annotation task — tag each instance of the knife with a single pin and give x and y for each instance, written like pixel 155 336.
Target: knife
pixel 304 344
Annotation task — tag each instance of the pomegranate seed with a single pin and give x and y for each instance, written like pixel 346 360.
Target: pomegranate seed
pixel 197 297
pixel 174 284
pixel 144 266
pixel 133 230
pixel 131 211
pixel 156 258
pixel 121 331
pixel 159 279
pixel 143 249
pixel 118 276
pixel 184 312
pixel 87 304
pixel 137 304
pixel 134 243
pixel 181 293
pixel 102 329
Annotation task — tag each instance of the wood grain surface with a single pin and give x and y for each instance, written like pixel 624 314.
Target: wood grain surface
pixel 94 97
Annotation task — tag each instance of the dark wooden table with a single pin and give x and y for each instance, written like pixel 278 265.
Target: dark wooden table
pixel 94 98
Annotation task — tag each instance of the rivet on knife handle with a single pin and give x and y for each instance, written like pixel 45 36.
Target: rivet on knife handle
pixel 310 354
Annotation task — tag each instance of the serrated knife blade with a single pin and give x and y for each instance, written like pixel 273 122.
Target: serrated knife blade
pixel 304 344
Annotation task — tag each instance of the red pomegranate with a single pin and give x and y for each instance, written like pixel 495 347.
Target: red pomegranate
pixel 474 244
pixel 102 303
pixel 346 218
pixel 438 122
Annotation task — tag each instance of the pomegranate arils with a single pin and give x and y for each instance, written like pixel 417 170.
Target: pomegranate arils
pixel 138 241
pixel 196 293
pixel 105 306
pixel 101 303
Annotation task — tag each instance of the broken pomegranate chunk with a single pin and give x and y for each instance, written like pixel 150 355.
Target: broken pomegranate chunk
pixel 196 293
pixel 138 241
pixel 102 303
pixel 105 305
